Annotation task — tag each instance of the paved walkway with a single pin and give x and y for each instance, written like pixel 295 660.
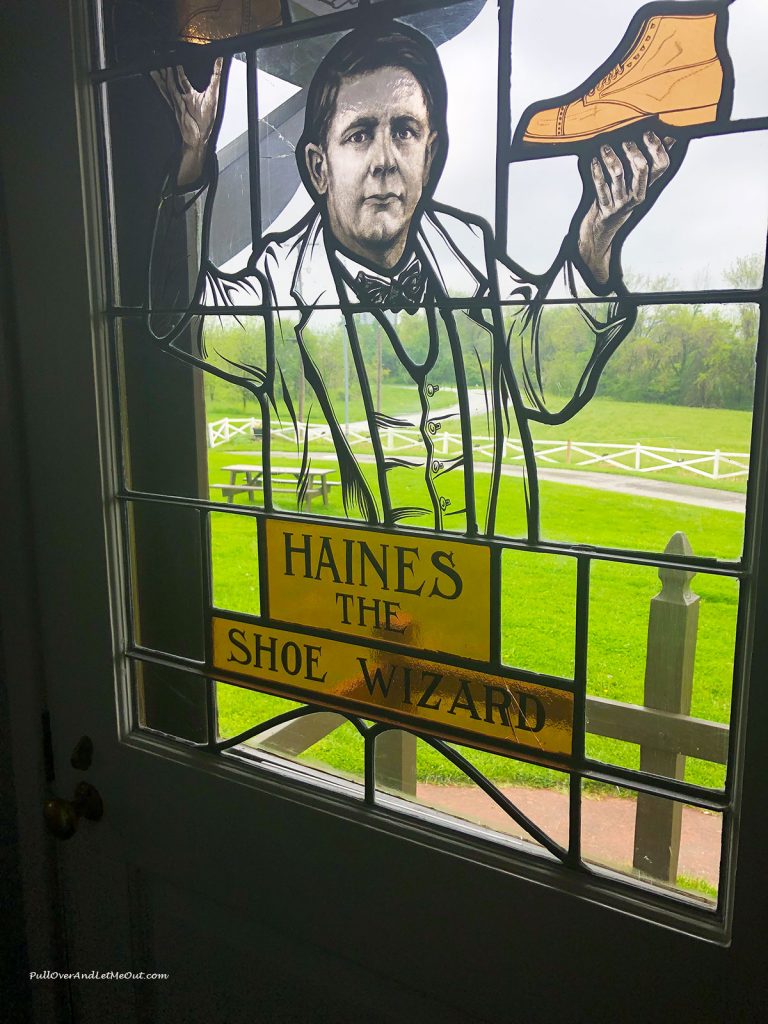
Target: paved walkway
pixel 643 487
pixel 608 824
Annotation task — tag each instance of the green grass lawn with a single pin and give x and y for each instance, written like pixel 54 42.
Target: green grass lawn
pixel 664 426
pixel 538 619
pixel 569 514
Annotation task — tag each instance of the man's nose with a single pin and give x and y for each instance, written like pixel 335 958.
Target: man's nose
pixel 383 156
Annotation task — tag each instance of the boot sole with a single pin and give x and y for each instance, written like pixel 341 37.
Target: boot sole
pixel 675 118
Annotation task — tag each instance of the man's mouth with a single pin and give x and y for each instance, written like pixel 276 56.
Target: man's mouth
pixel 382 197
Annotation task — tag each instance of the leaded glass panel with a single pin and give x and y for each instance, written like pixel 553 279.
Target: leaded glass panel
pixel 453 315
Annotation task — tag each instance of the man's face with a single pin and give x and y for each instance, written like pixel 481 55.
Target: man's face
pixel 375 163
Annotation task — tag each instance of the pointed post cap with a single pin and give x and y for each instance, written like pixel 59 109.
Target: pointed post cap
pixel 676 583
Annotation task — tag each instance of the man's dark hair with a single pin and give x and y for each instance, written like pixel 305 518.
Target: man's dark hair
pixel 387 44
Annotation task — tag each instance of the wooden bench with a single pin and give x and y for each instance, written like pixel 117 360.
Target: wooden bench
pixel 284 479
pixel 285 485
pixel 232 489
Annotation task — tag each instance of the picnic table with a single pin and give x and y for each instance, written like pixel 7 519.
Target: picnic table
pixel 282 478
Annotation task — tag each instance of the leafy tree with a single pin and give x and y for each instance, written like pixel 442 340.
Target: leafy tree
pixel 694 355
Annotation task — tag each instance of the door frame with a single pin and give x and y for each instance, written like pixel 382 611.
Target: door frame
pixel 63 591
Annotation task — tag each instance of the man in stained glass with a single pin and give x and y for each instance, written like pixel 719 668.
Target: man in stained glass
pixel 377 244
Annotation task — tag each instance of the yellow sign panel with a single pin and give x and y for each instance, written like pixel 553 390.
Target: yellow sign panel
pixel 423 691
pixel 423 592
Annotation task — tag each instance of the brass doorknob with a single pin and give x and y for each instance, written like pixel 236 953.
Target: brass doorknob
pixel 62 816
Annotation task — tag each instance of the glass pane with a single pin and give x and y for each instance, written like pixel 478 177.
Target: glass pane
pixel 140 122
pixel 468 181
pixel 240 709
pixel 694 237
pixel 284 74
pixel 235 563
pixel 133 29
pixel 698 228
pixel 664 842
pixel 167 579
pixel 411 768
pixel 156 219
pixel 538 612
pixel 670 649
pixel 302 10
pixel 356 398
pixel 199 21
pixel 336 748
pixel 162 413
pixel 748 24
pixel 170 701
pixel 321 740
pixel 665 443
pixel 229 237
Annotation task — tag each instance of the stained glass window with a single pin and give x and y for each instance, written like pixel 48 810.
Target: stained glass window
pixel 448 315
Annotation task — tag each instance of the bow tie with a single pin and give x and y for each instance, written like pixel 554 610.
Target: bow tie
pixel 403 292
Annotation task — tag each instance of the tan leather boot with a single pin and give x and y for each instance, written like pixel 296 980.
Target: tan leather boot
pixel 672 71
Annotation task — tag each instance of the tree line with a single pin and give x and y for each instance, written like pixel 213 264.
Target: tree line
pixel 697 354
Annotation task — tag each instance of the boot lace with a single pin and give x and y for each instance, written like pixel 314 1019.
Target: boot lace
pixel 612 75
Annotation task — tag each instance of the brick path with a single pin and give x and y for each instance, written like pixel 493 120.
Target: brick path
pixel 607 824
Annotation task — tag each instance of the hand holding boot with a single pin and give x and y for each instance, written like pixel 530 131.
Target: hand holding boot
pixel 621 187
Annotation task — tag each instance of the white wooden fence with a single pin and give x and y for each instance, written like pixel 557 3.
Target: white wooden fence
pixel 634 458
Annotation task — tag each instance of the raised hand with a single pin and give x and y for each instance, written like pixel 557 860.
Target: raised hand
pixel 195 114
pixel 617 196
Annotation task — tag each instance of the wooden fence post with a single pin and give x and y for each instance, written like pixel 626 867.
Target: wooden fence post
pixel 395 750
pixel 396 761
pixel 672 627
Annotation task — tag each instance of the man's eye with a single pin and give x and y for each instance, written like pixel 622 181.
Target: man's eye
pixel 404 133
pixel 359 136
